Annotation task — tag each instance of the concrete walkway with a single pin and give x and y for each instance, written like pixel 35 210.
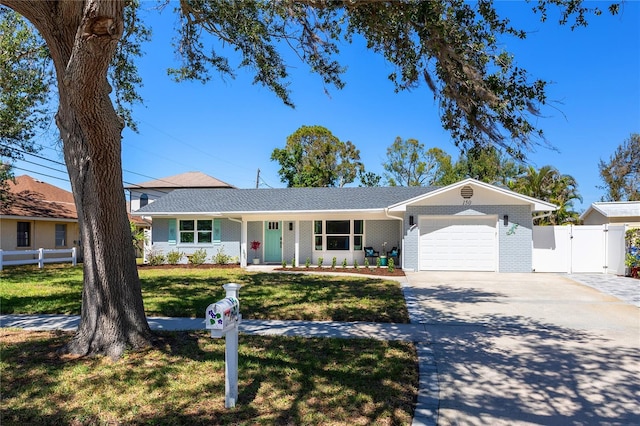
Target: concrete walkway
pixel 492 348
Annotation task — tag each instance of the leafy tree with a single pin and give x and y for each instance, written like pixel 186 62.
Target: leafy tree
pixel 408 164
pixel 369 178
pixel 314 157
pixel 25 83
pixel 621 175
pixel 548 184
pixel 452 46
pixel 487 164
pixel 6 175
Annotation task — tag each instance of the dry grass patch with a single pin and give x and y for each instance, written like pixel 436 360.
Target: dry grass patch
pixel 283 380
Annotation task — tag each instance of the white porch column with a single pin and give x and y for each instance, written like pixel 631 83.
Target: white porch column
pixel 296 249
pixel 243 243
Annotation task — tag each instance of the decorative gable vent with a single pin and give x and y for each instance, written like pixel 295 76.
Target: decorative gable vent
pixel 466 192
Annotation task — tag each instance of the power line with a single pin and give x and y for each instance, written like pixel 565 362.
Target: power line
pixel 41 174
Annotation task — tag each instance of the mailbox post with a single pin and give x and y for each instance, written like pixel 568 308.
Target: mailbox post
pixel 223 318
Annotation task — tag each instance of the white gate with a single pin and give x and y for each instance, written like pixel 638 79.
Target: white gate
pixel 579 249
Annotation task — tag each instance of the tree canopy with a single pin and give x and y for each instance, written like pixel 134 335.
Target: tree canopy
pixel 26 78
pixel 548 184
pixel 621 174
pixel 314 157
pixel 453 46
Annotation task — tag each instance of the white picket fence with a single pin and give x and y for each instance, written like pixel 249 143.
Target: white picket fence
pixel 579 249
pixel 43 256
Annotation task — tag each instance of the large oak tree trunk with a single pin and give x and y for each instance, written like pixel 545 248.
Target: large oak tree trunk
pixel 82 37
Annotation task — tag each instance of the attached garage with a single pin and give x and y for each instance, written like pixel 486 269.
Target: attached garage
pixel 458 243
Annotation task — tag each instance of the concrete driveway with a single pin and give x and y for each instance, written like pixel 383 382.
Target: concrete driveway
pixel 528 349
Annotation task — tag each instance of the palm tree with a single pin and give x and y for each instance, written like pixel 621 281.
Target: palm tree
pixel 550 185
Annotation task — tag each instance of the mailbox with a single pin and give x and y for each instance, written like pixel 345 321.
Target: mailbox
pixel 222 316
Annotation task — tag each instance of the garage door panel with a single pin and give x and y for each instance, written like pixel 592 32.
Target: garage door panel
pixel 458 244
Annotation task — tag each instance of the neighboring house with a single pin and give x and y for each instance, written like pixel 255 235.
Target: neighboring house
pixel 468 226
pixel 40 216
pixel 615 212
pixel 147 192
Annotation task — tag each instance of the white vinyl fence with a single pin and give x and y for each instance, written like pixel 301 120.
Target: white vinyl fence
pixel 579 249
pixel 39 256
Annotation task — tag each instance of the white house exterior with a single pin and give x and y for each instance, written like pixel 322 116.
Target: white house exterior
pixel 614 213
pixel 470 225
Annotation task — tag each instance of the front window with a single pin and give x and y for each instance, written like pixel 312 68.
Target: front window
pixel 24 234
pixel 61 235
pixel 196 231
pixel 339 234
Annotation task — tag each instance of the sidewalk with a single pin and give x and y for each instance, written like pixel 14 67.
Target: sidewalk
pixel 343 330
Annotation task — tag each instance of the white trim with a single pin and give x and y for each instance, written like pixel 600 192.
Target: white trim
pixel 538 205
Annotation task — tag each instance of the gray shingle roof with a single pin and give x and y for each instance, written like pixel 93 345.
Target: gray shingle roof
pixel 281 199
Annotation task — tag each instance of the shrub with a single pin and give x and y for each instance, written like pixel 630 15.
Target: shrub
pixel 284 263
pixel 155 257
pixel 198 257
pixel 320 260
pixel 333 263
pixel 221 258
pixel 366 263
pixel 392 265
pixel 293 262
pixel 344 263
pixel 174 257
pixel 307 263
pixel 377 262
pixel 355 264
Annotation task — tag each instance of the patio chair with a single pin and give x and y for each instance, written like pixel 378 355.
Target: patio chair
pixel 395 253
pixel 370 253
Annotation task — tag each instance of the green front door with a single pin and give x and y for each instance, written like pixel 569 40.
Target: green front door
pixel 273 242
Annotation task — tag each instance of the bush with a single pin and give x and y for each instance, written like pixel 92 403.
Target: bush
pixel 320 260
pixel 392 265
pixel 221 258
pixel 284 263
pixel 155 257
pixel 355 263
pixel 333 263
pixel 366 263
pixel 174 257
pixel 307 263
pixel 198 257
pixel 377 262
pixel 344 263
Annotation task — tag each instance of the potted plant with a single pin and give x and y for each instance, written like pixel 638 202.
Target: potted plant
pixel 383 254
pixel 255 245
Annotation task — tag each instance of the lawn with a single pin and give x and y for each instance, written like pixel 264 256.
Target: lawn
pixel 180 380
pixel 187 292
pixel 282 380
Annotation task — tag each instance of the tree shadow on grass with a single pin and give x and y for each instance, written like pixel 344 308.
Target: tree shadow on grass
pixel 181 382
pixel 506 368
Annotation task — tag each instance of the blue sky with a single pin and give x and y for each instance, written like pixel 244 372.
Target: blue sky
pixel 229 127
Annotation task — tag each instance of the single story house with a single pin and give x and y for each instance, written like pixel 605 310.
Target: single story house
pixel 467 226
pixel 613 213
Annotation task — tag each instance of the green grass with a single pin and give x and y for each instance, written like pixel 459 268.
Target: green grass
pixel 180 380
pixel 183 292
pixel 282 380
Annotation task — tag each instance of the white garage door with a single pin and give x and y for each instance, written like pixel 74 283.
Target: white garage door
pixel 458 243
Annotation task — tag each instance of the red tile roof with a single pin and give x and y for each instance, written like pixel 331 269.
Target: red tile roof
pixel 34 198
